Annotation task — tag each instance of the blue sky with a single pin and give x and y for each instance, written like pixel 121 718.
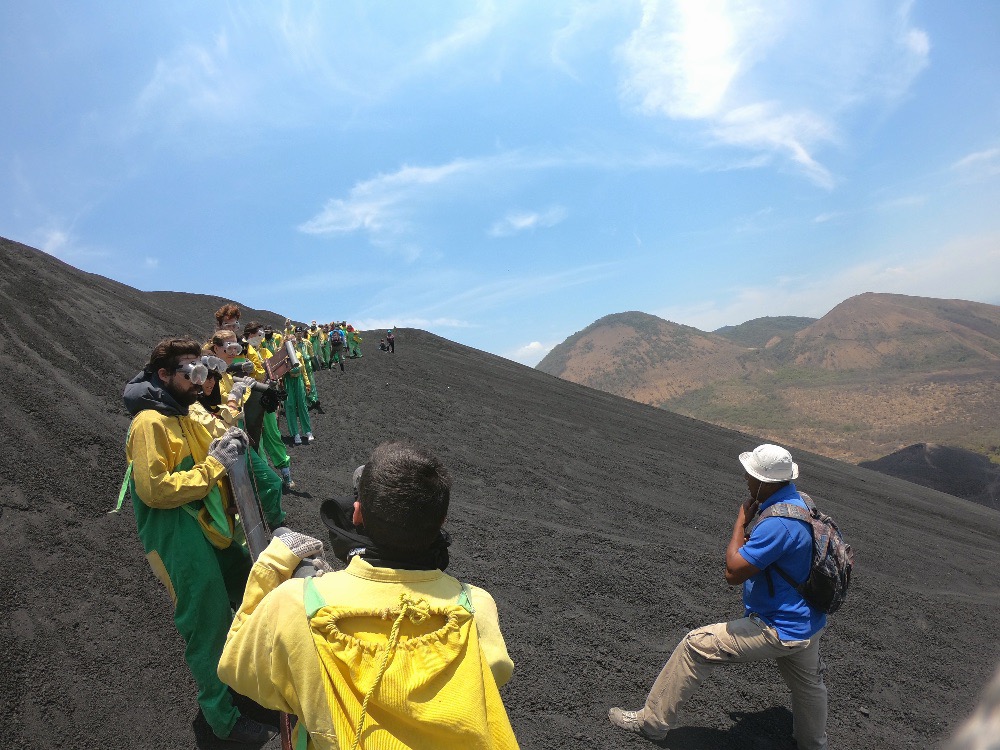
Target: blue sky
pixel 503 174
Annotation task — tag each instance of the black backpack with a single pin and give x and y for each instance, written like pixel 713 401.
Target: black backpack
pixel 832 560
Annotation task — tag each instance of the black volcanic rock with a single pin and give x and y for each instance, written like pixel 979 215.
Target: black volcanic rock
pixel 599 525
pixel 957 471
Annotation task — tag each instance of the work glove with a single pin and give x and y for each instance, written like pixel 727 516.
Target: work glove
pixel 300 545
pixel 239 389
pixel 230 448
pixel 248 367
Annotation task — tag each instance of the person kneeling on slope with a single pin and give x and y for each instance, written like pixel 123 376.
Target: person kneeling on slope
pixel 390 653
pixel 779 623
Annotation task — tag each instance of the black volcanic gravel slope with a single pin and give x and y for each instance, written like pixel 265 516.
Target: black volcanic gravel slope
pixel 599 525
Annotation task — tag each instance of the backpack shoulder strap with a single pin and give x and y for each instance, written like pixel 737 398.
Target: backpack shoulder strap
pixel 314 600
pixel 787 510
pixel 465 600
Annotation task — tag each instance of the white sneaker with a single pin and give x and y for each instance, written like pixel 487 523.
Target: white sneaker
pixel 297 440
pixel 309 437
pixel 630 721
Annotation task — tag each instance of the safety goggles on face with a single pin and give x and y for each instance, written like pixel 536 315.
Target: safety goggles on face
pixel 195 371
pixel 231 348
pixel 215 365
pixel 232 325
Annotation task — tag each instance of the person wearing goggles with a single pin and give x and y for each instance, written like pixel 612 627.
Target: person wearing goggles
pixel 227 317
pixel 181 502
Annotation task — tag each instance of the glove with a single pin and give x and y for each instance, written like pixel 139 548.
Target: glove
pixel 230 448
pixel 269 400
pixel 300 545
pixel 248 367
pixel 239 389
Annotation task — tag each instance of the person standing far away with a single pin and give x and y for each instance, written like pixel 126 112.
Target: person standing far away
pixel 297 384
pixel 390 340
pixel 389 654
pixel 778 624
pixel 184 520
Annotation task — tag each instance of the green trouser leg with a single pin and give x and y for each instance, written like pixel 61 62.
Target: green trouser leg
pixel 206 584
pixel 271 441
pixel 268 484
pixel 313 395
pixel 337 359
pixel 296 410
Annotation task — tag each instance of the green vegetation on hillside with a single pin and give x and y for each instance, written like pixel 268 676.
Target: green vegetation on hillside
pixel 757 332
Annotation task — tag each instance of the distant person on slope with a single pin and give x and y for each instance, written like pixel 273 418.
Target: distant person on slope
pixel 182 513
pixel 297 384
pixel 258 352
pixel 389 653
pixel 390 340
pixel 778 625
pixel 336 341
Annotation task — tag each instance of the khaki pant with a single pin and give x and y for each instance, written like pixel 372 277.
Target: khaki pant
pixel 744 640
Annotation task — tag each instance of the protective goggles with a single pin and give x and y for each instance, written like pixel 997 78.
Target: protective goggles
pixel 231 348
pixel 195 371
pixel 215 365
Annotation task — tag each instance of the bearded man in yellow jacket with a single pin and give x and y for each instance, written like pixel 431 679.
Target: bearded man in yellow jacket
pixel 391 653
pixel 183 516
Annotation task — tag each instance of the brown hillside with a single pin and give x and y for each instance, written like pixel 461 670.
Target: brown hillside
pixel 877 373
pixel 643 357
pixel 900 333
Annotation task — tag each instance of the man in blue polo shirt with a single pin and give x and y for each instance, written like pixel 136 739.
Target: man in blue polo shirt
pixel 777 624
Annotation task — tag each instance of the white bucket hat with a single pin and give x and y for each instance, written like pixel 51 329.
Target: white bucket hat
pixel 770 463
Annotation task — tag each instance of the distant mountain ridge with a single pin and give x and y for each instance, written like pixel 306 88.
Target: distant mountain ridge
pixel 875 374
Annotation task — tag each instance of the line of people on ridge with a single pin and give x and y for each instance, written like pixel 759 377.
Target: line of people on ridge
pixel 195 407
pixel 392 652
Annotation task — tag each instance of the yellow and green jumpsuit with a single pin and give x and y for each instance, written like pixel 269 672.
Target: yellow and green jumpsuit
pixel 179 501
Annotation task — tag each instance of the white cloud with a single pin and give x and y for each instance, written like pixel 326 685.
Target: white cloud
pixel 379 205
pixel 192 83
pixel 979 165
pixel 964 268
pixel 385 207
pixel 989 156
pixel 529 354
pixel 719 63
pixel 521 221
pixel 386 323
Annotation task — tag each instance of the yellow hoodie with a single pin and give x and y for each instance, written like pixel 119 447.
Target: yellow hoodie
pixel 270 656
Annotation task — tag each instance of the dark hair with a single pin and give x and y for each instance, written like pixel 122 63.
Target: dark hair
pixel 229 310
pixel 404 492
pixel 253 325
pixel 168 352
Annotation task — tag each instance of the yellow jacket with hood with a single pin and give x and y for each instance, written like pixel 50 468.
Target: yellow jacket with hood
pixel 270 655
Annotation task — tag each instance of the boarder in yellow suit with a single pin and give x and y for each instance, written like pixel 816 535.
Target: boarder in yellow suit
pixel 183 520
pixel 321 648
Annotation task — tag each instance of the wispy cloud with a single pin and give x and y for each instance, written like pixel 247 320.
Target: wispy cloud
pixel 385 207
pixel 195 82
pixel 719 63
pixel 521 221
pixel 964 268
pixel 978 165
pixel 484 297
pixel 388 322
